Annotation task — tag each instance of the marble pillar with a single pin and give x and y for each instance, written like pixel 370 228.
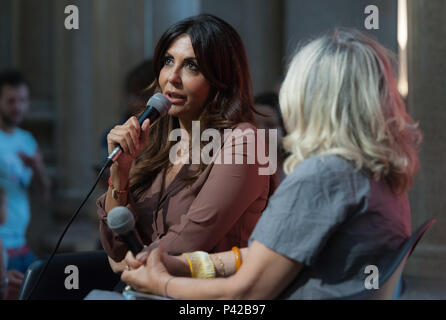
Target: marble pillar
pixel 118 46
pixel 74 101
pixel 6 24
pixel 427 105
pixel 307 19
pixel 260 25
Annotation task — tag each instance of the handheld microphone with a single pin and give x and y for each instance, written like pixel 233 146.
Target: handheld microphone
pixel 157 106
pixel 121 221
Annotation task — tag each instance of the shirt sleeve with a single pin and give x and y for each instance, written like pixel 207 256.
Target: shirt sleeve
pixel 29 148
pixel 228 192
pixel 307 208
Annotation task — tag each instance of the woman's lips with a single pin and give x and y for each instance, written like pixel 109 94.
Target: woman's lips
pixel 176 98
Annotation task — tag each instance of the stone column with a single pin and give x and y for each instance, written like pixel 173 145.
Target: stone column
pixel 6 24
pixel 427 104
pixel 260 25
pixel 118 45
pixel 167 12
pixel 74 79
pixel 306 19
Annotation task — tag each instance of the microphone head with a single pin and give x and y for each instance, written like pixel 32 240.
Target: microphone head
pixel 120 220
pixel 160 103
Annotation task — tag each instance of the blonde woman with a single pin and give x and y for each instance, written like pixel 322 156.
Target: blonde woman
pixel 343 205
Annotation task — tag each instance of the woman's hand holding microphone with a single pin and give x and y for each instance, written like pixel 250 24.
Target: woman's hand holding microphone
pixel 132 138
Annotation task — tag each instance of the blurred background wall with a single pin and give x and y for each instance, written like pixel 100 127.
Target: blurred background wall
pixel 77 90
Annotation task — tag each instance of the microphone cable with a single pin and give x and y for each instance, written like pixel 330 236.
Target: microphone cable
pixel 107 163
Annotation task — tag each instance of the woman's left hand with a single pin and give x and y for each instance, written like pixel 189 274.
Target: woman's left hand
pixel 150 277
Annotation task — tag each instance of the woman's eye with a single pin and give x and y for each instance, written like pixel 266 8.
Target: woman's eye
pixel 191 66
pixel 168 61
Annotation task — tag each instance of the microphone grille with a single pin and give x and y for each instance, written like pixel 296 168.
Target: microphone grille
pixel 160 103
pixel 120 220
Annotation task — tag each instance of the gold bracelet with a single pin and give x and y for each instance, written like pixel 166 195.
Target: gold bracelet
pixel 190 265
pixel 201 265
pixel 221 264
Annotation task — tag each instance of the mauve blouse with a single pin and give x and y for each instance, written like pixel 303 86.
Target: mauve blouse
pixel 217 211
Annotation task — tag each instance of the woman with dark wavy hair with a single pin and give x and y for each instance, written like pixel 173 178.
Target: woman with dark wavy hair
pixel 201 67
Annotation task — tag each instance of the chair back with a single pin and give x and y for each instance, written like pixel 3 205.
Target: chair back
pixel 93 271
pixel 388 278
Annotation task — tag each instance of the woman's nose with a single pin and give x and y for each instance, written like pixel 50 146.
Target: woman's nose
pixel 175 76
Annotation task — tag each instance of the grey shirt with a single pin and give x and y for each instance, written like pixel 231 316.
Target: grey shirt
pixel 336 221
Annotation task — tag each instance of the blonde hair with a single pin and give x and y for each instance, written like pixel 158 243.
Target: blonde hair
pixel 340 98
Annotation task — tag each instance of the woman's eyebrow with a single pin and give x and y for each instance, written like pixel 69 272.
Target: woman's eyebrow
pixel 188 58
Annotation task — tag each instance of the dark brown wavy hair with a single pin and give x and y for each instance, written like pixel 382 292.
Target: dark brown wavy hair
pixel 222 59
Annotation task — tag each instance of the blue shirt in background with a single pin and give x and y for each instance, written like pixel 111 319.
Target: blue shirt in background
pixel 15 178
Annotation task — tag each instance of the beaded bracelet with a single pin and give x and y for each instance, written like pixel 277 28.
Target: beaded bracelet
pixel 116 194
pixel 221 265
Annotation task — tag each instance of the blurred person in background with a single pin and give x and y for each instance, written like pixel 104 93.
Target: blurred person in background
pixel 269 117
pixel 21 168
pixel 10 280
pixel 137 91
